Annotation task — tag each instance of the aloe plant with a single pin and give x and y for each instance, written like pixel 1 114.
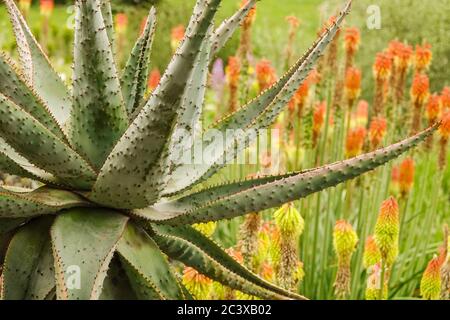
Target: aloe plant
pixel 113 202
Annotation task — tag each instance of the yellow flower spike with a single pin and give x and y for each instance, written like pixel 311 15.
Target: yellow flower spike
pixel 345 240
pixel 289 220
pixel 387 230
pixel 372 254
pixel 206 229
pixel 430 285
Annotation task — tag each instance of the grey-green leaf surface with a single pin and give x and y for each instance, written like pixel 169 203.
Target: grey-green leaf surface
pixel 98 117
pixel 84 241
pixel 243 125
pixel 37 68
pixel 136 247
pixel 127 180
pixel 41 147
pixel 135 75
pixel 28 268
pixel 38 202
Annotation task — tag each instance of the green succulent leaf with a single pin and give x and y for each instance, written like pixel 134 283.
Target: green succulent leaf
pixel 28 267
pixel 13 163
pixel 227 28
pixel 98 117
pixel 36 143
pixel 108 19
pixel 17 90
pixel 225 204
pixel 195 250
pixel 84 241
pixel 38 70
pixel 131 176
pixel 9 224
pixel 135 247
pixel 23 203
pixel 135 75
pixel 259 113
pixel 117 285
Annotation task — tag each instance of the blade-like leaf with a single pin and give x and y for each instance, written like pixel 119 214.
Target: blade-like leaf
pixel 193 249
pixel 116 285
pixel 28 268
pixel 274 193
pixel 135 74
pixel 13 163
pixel 83 242
pixel 38 202
pixel 241 126
pixel 8 224
pixel 41 147
pixel 38 70
pixel 98 117
pixel 127 180
pixel 15 88
pixel 135 247
pixel 227 28
pixel 108 19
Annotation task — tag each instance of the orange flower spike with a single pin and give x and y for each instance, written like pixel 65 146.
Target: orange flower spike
pixel 444 129
pixel 233 70
pixel 406 176
pixel 387 230
pixel 430 285
pixel 176 36
pixel 433 108
pixel 352 39
pixel 265 74
pixel 353 83
pixel 377 131
pixel 355 141
pixel 46 7
pixel 293 21
pixel 153 79
pixel 445 98
pixel 423 57
pixel 402 54
pixel 382 66
pixel 121 20
pixel 319 116
pixel 420 89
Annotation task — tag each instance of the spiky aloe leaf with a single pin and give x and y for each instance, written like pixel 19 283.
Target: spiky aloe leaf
pixel 24 203
pixel 222 203
pixel 15 88
pixel 8 224
pixel 190 247
pixel 41 147
pixel 116 285
pixel 84 254
pixel 227 28
pixel 13 163
pixel 28 267
pixel 98 116
pixel 105 6
pixel 131 176
pixel 240 127
pixel 135 74
pixel 135 247
pixel 37 68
